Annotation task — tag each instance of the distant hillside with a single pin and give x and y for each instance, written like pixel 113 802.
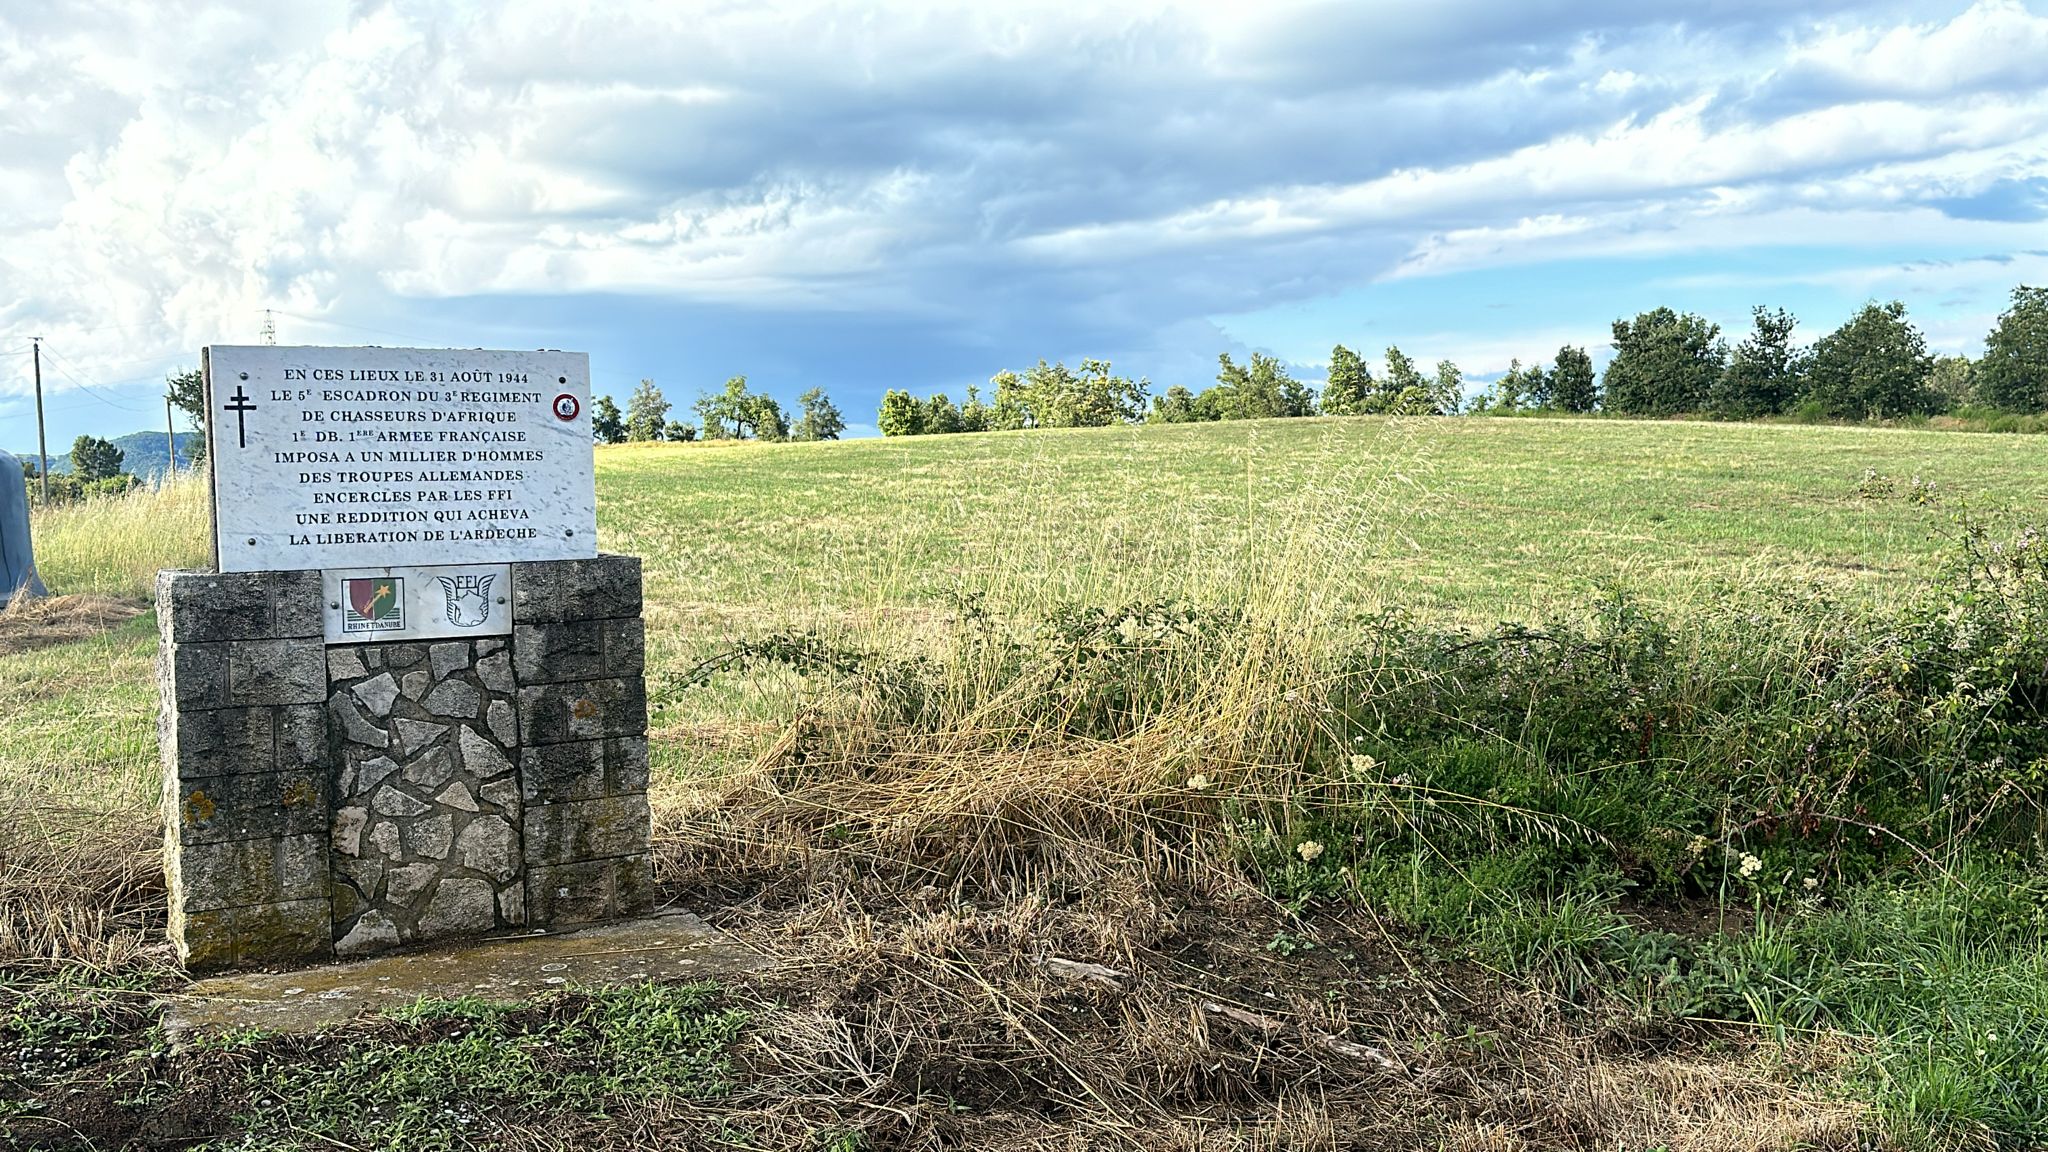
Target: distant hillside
pixel 142 453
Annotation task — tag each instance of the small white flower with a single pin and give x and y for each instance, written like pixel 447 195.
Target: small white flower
pixel 1697 846
pixel 1292 696
pixel 1750 865
pixel 1810 883
pixel 1308 850
pixel 1363 764
pixel 1200 781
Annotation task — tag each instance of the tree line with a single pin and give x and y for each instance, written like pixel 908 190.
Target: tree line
pixel 1666 363
pixel 96 470
pixel 735 413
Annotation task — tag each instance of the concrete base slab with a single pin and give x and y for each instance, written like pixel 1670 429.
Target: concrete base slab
pixel 674 946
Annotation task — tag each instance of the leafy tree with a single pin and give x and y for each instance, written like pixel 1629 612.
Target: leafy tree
pixel 821 419
pixel 1572 387
pixel 1054 396
pixel 1954 380
pixel 1763 375
pixel 1259 390
pixel 94 459
pixel 1539 388
pixel 679 432
pixel 1404 388
pixel 738 414
pixel 765 418
pixel 1514 390
pixel 606 425
pixel 1348 388
pixel 646 412
pixel 2013 372
pixel 1873 366
pixel 1447 393
pixel 1665 363
pixel 187 393
pixel 901 414
pixel 941 415
pixel 1010 410
pixel 974 415
pixel 1176 406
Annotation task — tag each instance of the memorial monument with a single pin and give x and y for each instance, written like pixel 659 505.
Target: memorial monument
pixel 407 702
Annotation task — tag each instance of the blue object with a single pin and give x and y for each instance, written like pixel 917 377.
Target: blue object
pixel 17 558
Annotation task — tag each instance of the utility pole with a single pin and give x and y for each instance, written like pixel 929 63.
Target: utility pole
pixel 170 442
pixel 42 444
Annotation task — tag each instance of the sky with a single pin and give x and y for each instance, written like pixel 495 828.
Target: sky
pixel 861 197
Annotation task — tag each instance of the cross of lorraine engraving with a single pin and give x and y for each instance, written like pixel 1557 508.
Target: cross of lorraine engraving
pixel 241 406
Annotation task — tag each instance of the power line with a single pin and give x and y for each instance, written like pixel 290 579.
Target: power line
pixel 356 327
pixel 59 363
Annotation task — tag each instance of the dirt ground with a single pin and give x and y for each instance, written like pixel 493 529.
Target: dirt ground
pixel 1102 1011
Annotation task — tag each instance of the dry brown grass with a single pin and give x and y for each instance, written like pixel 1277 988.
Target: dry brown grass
pixel 78 885
pixel 31 622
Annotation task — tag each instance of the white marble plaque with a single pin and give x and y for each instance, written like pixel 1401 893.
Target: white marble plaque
pixel 375 457
pixel 371 605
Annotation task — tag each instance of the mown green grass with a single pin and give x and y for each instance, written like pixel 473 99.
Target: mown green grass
pixel 78 721
pixel 1479 518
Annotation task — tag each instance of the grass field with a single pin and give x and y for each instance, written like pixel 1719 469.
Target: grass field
pixel 1479 518
pixel 1720 852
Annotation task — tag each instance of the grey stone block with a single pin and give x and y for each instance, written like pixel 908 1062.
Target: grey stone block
pixel 583 770
pixel 496 672
pixel 625 646
pixel 296 600
pixel 481 758
pixel 377 694
pixel 252 806
pixel 276 672
pixel 504 726
pixel 490 846
pixel 354 726
pixel 213 606
pixel 415 684
pixel 454 698
pixel 284 932
pixel 199 676
pixel 583 710
pixel 302 736
pixel 345 664
pixel 220 742
pixel 449 656
pixel 633 886
pixel 460 906
pixel 239 873
pixel 551 590
pixel 586 829
pixel 373 933
pixel 414 735
pixel 550 653
pixel 558 895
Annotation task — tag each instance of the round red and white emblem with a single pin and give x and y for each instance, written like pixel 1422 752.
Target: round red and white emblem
pixel 566 407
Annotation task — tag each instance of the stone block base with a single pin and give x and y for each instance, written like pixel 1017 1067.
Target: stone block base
pixel 344 799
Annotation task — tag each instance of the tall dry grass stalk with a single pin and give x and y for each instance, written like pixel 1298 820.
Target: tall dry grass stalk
pixel 994 776
pixel 114 546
